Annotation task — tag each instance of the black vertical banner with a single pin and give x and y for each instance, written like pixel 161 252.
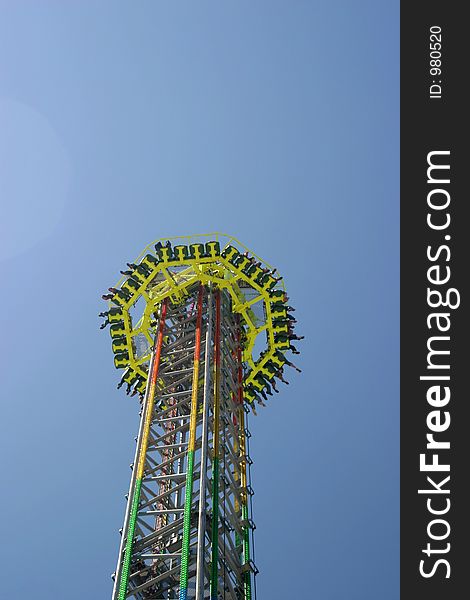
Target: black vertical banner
pixel 435 302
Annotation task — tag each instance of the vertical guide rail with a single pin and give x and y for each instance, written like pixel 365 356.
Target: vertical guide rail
pixel 122 573
pixel 215 460
pixel 190 460
pixel 201 528
pixel 244 493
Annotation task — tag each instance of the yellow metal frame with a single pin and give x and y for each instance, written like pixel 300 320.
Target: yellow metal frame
pixel 204 270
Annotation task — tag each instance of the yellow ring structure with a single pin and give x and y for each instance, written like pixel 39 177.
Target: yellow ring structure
pixel 220 261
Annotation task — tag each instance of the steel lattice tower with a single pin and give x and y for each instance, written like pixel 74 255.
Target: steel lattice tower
pixel 190 355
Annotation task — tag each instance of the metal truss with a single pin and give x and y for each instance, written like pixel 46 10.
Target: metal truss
pixel 187 526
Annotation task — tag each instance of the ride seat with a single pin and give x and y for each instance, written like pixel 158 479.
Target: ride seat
pixel 197 251
pixel 278 313
pixel 121 360
pixel 231 254
pixel 150 262
pixel 115 314
pixel 281 343
pixel 121 297
pixel 140 274
pixel 165 254
pixel 257 384
pixel 181 253
pixel 130 376
pixel 253 272
pixel 117 330
pixel 276 294
pixel 242 262
pixel 131 286
pixel 119 345
pixel 267 282
pixel 213 249
pixel 141 385
pixel 248 394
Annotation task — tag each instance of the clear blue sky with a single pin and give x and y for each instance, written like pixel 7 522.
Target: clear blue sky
pixel 275 121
